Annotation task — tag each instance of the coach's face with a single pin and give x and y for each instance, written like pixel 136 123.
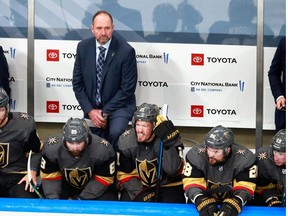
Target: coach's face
pixel 102 28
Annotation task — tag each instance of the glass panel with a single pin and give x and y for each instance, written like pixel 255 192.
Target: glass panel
pixel 13 19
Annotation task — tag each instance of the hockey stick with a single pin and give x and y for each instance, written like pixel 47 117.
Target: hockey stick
pixel 31 183
pixel 164 113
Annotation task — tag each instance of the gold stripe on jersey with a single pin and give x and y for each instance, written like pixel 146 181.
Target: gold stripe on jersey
pixel 51 176
pixel 194 182
pixel 124 177
pixel 260 189
pixel 249 186
pixel 172 184
pixel 104 180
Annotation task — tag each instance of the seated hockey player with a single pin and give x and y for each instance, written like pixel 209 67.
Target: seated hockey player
pixel 151 159
pixel 219 172
pixel 18 137
pixel 271 184
pixel 78 164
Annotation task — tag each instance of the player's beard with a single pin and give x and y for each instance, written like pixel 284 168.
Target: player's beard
pixel 214 161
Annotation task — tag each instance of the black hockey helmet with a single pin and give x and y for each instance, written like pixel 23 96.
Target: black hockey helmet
pixel 75 130
pixel 219 137
pixel 146 112
pixel 279 141
pixel 4 99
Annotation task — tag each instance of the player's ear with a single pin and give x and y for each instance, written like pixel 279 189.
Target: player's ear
pixel 227 150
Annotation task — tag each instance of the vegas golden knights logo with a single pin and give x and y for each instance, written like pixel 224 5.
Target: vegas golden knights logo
pixel 78 178
pixel 4 154
pixel 219 196
pixel 147 171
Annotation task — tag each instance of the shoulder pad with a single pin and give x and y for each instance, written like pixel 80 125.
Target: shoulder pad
pixel 101 148
pixel 196 155
pixel 127 140
pixel 52 144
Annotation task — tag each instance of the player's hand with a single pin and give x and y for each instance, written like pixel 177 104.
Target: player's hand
pixel 27 183
pixel 274 202
pixel 146 195
pixel 166 131
pixel 230 207
pixel 206 206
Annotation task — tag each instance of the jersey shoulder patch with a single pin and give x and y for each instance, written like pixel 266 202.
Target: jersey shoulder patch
pixel 197 156
pixel 127 140
pixel 52 144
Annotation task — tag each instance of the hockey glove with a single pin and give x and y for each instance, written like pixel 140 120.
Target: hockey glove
pixel 271 197
pixel 166 131
pixel 274 202
pixel 206 206
pixel 230 207
pixel 146 195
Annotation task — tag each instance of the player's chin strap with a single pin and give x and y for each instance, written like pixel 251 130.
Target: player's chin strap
pixel 30 177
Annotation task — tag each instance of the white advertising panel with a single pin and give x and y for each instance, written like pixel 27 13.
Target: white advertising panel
pixel 15 51
pixel 203 85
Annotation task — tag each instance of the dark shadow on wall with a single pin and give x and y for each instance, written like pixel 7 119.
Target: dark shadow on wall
pixel 127 22
pixel 165 19
pixel 240 29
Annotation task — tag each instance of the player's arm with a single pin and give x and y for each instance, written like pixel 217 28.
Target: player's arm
pixel 194 182
pixel 244 185
pixel 51 178
pixel 172 161
pixel 127 175
pixel 195 185
pixel 266 187
pixel 103 177
pixel 33 142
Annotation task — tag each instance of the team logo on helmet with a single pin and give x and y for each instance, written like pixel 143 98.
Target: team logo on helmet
pixel 75 130
pixel 279 141
pixel 219 137
pixel 146 112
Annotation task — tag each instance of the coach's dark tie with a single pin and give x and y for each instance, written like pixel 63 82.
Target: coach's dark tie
pixel 99 67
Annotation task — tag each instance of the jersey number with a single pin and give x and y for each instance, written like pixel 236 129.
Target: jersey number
pixel 253 172
pixel 43 163
pixel 112 168
pixel 187 170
